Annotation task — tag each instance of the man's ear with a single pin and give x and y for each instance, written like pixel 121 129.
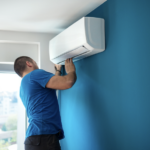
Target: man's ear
pixel 29 64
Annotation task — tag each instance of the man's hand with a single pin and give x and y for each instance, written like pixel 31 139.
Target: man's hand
pixel 58 67
pixel 69 66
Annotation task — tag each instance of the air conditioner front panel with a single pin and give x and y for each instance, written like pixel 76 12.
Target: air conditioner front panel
pixel 72 54
pixel 72 37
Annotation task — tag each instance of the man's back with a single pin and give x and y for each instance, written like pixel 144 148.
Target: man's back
pixel 41 104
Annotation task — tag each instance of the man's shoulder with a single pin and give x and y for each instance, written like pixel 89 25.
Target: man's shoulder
pixel 37 71
pixel 25 80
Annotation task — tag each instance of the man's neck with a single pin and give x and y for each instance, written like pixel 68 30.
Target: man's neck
pixel 26 72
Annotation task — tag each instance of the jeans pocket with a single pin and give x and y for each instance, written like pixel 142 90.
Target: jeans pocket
pixel 33 140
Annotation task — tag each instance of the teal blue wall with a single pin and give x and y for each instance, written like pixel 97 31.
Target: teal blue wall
pixel 108 108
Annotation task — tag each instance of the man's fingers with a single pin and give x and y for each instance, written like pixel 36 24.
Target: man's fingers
pixel 66 60
pixel 69 60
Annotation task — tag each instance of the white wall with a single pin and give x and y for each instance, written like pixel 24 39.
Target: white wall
pixel 28 37
pixel 10 51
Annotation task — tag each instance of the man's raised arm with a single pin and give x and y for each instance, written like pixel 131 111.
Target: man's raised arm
pixel 64 82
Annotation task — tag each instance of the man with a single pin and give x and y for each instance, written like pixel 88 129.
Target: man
pixel 38 94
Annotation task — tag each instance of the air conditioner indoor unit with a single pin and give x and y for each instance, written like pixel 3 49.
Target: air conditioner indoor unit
pixel 84 38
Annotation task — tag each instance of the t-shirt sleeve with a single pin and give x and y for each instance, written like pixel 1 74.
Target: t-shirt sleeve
pixel 41 76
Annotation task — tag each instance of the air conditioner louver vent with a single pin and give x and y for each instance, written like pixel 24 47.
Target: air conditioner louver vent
pixel 72 54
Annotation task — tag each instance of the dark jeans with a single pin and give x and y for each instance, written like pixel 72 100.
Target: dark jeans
pixel 42 142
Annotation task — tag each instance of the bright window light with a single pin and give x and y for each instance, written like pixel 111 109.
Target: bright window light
pixel 9 98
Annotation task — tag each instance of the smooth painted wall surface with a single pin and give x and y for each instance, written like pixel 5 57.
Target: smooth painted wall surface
pixel 108 108
pixel 30 37
pixel 15 50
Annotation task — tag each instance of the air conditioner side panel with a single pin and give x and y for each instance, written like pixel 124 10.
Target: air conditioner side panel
pixel 95 33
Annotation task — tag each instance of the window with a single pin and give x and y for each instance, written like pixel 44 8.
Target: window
pixel 12 113
pixel 10 83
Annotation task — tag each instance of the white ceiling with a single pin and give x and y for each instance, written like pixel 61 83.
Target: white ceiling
pixel 43 15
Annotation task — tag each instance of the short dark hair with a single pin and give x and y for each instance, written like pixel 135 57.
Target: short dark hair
pixel 20 64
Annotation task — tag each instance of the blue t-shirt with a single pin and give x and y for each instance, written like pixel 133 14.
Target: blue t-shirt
pixel 41 104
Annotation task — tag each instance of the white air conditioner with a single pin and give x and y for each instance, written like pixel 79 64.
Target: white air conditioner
pixel 84 38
